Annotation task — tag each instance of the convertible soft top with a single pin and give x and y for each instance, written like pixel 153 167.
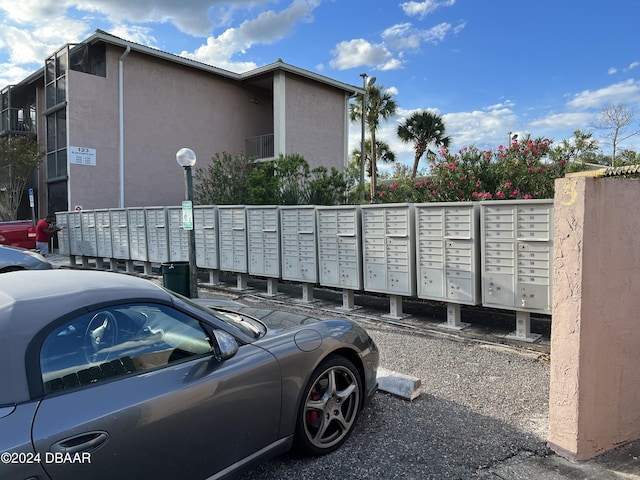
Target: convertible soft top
pixel 31 299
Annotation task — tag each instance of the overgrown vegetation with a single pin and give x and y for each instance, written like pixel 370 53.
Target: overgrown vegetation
pixel 288 180
pixel 19 156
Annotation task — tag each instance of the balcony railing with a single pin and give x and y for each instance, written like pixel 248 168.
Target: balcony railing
pixel 14 120
pixel 260 146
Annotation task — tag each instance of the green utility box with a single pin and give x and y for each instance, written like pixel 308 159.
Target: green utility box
pixel 175 277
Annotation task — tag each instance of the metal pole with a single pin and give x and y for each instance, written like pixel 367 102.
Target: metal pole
pixel 362 155
pixel 193 269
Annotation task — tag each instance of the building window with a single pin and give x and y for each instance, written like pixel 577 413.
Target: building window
pixel 57 144
pixel 55 78
pixel 89 59
pixel 56 113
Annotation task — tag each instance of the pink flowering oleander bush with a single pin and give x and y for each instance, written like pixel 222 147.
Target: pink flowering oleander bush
pixel 523 170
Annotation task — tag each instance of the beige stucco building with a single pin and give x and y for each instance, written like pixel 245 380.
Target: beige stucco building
pixel 111 115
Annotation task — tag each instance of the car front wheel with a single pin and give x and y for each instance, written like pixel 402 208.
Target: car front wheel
pixel 330 406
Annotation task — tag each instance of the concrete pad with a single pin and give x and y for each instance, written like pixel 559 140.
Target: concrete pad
pixel 403 386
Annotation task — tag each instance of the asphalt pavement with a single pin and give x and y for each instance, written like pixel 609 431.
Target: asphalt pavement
pixel 483 408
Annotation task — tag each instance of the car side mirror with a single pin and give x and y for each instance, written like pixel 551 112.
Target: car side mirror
pixel 227 346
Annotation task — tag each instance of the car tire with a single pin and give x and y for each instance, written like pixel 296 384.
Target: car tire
pixel 330 406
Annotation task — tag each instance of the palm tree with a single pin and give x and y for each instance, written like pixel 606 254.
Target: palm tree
pixel 383 150
pixel 378 105
pixel 423 128
pixel 384 153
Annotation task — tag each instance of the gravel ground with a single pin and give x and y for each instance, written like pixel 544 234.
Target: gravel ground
pixel 482 404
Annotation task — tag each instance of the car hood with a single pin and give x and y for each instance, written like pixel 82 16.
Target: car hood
pixel 275 320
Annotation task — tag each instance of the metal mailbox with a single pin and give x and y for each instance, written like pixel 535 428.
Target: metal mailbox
pixel 388 240
pixel 157 234
pixel 178 236
pixel 339 246
pixel 119 233
pixel 88 232
pixel 264 241
pixel 74 223
pixel 299 243
pixel 232 222
pixel 517 260
pixel 63 235
pixel 137 234
pixel 447 252
pixel 205 223
pixel 104 242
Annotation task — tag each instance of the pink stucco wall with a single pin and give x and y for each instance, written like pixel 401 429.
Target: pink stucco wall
pixel 92 119
pixel 168 106
pixel 315 123
pixel 594 402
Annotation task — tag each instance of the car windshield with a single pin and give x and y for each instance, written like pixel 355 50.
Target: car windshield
pixel 247 325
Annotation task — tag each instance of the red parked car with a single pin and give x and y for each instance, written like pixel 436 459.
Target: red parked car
pixel 19 233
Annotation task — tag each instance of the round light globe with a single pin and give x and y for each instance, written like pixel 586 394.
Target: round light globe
pixel 186 157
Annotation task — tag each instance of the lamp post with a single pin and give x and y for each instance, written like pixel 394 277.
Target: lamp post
pixel 363 109
pixel 186 158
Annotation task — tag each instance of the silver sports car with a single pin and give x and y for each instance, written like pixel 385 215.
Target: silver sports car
pixel 106 375
pixel 15 258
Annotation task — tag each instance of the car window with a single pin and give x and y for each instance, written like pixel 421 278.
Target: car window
pixel 117 341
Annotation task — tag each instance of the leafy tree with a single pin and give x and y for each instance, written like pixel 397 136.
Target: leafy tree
pixel 240 180
pixel 292 172
pixel 224 181
pixel 379 105
pixel 262 184
pixel 614 121
pixel 326 188
pixel 628 157
pixel 352 173
pixel 19 156
pixel 579 150
pixel 422 129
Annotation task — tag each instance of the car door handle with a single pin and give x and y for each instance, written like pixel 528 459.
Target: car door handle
pixel 80 443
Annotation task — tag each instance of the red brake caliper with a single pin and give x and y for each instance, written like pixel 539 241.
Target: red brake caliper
pixel 312 416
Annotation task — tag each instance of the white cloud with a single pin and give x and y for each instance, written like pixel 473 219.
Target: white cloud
pixel 190 17
pixel 405 36
pixel 267 28
pixel 436 34
pixel 500 106
pixel 402 36
pixel 135 33
pixel 612 70
pixel 627 92
pixel 30 12
pixel 393 91
pixel 10 73
pixel 399 37
pixel 561 121
pixel 33 30
pixel 484 128
pixel 422 9
pixel 218 51
pixel 632 66
pixel 194 17
pixel 353 53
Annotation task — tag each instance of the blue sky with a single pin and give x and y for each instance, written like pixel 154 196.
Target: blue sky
pixel 544 67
